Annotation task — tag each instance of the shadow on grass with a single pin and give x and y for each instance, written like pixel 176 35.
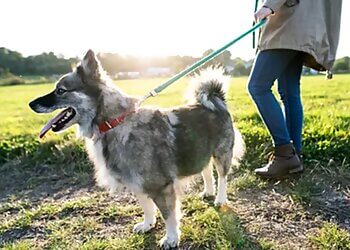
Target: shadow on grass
pixel 37 169
pixel 323 192
pixel 94 226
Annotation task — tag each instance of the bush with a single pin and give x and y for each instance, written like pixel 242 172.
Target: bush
pixel 10 79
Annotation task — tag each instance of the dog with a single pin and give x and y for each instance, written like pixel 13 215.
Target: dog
pixel 147 150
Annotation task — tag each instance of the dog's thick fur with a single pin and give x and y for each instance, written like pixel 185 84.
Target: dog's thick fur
pixel 152 149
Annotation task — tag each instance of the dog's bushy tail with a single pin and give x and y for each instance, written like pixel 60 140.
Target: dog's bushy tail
pixel 239 148
pixel 208 88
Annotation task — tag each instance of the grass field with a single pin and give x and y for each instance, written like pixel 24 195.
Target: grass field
pixel 48 198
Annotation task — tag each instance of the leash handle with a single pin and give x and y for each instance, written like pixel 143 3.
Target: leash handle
pixel 200 62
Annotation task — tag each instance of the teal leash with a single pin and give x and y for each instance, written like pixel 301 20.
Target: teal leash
pixel 200 62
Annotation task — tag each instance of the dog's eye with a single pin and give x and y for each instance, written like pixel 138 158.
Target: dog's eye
pixel 60 91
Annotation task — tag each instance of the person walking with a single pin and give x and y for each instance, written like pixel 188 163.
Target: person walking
pixel 297 33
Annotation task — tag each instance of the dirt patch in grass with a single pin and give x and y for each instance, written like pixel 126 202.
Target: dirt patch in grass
pixel 273 216
pixel 284 214
pixel 54 203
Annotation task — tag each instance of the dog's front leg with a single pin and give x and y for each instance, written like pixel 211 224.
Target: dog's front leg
pixel 149 210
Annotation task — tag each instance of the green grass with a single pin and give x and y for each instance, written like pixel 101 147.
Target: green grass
pixel 326 104
pixel 331 237
pixel 208 228
pixel 246 179
pixel 32 171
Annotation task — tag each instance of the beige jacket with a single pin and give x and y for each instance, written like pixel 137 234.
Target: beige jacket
pixel 311 26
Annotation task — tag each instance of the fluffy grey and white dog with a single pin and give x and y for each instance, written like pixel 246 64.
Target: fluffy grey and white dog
pixel 151 150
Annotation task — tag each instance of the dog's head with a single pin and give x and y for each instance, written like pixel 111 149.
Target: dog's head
pixel 76 93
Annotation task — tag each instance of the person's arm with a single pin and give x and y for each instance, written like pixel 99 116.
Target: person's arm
pixel 269 7
pixel 274 5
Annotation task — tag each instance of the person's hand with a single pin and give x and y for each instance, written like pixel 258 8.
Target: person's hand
pixel 263 13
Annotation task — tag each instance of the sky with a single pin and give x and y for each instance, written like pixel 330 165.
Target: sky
pixel 133 27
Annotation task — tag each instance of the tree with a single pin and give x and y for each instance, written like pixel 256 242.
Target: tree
pixel 223 59
pixel 43 64
pixel 342 65
pixel 241 67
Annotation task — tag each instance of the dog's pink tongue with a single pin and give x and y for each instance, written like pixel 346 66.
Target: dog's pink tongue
pixel 48 125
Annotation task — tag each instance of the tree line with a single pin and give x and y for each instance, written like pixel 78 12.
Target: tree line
pixel 342 65
pixel 43 64
pixel 12 62
pixel 50 64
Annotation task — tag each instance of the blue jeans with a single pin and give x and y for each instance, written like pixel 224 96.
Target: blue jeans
pixel 284 65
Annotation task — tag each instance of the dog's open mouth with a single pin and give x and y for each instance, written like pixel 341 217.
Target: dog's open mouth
pixel 58 122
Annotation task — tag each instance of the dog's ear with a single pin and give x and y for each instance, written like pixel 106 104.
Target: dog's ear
pixel 91 65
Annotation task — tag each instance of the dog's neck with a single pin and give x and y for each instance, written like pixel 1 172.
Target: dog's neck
pixel 112 103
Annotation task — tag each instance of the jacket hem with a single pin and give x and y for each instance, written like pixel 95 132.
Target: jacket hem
pixel 319 66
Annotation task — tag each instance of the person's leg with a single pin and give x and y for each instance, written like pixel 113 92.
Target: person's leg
pixel 268 66
pixel 289 90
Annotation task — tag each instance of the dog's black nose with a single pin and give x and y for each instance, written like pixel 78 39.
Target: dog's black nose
pixel 32 104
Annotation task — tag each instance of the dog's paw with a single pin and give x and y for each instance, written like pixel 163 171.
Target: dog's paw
pixel 219 202
pixel 169 242
pixel 143 227
pixel 220 199
pixel 206 196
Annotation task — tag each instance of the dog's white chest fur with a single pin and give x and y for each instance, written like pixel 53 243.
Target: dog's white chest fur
pixel 103 175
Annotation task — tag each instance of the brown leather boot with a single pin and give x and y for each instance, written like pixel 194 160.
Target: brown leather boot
pixel 283 162
pixel 301 168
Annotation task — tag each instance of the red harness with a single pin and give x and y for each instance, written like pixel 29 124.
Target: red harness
pixel 109 124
